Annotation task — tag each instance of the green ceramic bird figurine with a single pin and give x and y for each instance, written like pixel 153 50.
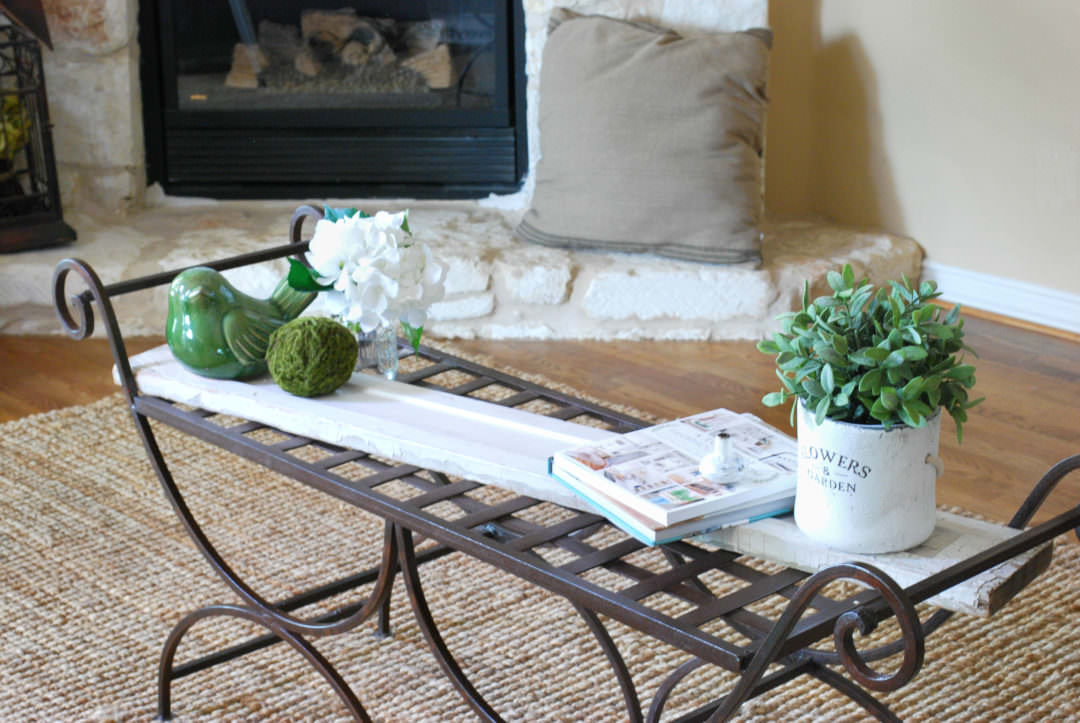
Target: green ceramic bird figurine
pixel 218 331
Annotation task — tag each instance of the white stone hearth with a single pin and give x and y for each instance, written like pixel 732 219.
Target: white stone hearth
pixel 497 286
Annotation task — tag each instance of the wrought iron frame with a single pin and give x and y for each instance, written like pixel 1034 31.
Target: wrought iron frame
pixel 496 534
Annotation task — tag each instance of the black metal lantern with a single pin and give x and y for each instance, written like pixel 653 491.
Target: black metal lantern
pixel 30 215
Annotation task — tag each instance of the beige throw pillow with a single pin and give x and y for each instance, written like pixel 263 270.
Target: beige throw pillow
pixel 651 141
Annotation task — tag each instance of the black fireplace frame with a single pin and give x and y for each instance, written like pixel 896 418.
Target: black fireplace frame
pixel 374 153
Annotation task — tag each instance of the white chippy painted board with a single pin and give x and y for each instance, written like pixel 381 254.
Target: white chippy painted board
pixel 456 435
pixel 954 539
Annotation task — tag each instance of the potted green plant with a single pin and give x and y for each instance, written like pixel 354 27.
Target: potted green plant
pixel 868 372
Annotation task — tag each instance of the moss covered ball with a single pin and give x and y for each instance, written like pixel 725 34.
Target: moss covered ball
pixel 311 356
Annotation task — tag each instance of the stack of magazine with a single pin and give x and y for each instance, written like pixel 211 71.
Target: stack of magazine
pixel 647 482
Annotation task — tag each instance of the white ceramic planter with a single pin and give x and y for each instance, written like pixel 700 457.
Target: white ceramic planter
pixel 864 489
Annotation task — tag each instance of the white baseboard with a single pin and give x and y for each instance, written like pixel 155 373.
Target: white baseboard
pixel 1018 299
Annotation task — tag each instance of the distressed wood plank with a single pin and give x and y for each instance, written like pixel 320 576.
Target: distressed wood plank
pixel 954 539
pixel 456 435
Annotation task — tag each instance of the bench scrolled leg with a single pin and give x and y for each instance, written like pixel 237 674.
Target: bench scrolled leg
pixel 862 619
pixel 411 576
pixel 166 672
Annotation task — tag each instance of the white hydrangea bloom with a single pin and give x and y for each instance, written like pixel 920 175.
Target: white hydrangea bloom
pixel 380 275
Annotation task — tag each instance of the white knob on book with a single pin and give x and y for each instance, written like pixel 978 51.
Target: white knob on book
pixel 722 462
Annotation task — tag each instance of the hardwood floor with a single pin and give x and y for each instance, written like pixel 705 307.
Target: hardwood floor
pixel 49 372
pixel 1029 420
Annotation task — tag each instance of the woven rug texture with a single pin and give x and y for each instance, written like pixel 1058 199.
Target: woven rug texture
pixel 97 570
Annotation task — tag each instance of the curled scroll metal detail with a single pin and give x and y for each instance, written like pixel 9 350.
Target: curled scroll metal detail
pixel 79 326
pixel 302 646
pixel 296 225
pixel 863 619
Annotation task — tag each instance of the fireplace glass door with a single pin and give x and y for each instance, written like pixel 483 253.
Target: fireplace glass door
pixel 283 98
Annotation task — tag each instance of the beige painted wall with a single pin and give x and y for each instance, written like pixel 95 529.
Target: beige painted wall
pixel 955 122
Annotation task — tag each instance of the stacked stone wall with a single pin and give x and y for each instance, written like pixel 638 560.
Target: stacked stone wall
pixel 92 81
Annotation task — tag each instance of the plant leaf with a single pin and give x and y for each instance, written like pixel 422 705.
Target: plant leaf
pixel 828 354
pixel 822 411
pixel 877 353
pixel 788 384
pixel 914 416
pixel 923 409
pixel 941 331
pixel 866 359
pixel 413 333
pixel 924 314
pixel 807 369
pixel 961 373
pixel 788 362
pixel 303 278
pixel 879 412
pixel 337 214
pixel 836 281
pixel 828 381
pixel 904 354
pixel 812 387
pixel 913 388
pixel 849 275
pixel 895 306
pixel 871 382
pixel 768 347
pixel 773 399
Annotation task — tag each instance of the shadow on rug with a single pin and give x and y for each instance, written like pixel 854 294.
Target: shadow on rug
pixel 97 570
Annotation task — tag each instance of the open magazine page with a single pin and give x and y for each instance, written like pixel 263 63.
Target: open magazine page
pixel 644 467
pixel 752 439
pixel 658 466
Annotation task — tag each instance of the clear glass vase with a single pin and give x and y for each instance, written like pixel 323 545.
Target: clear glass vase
pixel 378 349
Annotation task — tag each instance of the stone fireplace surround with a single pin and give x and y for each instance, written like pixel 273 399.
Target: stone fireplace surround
pixel 498 286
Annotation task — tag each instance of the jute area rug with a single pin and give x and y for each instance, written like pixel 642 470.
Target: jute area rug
pixel 96 570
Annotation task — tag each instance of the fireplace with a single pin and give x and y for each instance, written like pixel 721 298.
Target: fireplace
pixel 301 98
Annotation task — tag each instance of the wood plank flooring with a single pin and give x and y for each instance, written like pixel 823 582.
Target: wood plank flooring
pixel 1028 422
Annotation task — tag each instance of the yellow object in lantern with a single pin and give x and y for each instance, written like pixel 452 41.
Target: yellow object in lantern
pixel 16 126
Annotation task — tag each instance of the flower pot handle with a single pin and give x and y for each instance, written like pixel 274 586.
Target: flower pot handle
pixel 937 463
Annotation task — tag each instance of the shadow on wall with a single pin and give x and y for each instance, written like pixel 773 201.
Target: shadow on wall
pixel 826 152
pixel 855 183
pixel 789 132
